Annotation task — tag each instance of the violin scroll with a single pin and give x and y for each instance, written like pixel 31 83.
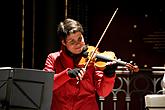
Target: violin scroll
pixel 132 68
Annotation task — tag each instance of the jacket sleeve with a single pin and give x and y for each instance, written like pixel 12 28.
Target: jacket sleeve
pixel 104 85
pixel 49 64
pixel 60 78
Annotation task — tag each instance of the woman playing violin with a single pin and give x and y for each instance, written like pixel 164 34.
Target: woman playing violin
pixel 67 93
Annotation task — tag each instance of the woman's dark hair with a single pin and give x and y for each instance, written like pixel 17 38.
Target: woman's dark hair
pixel 67 27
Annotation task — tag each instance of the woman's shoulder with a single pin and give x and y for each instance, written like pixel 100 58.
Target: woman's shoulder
pixel 54 55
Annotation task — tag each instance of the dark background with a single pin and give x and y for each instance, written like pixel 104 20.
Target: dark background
pixel 136 33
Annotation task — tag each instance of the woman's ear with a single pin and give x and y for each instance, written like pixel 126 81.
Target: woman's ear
pixel 63 42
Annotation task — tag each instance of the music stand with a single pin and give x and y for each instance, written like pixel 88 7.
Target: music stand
pixel 25 89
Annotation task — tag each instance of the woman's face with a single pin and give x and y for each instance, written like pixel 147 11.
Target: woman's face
pixel 74 42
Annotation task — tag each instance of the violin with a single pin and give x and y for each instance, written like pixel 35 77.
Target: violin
pixel 100 60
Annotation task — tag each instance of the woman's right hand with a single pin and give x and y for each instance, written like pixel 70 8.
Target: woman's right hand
pixel 77 73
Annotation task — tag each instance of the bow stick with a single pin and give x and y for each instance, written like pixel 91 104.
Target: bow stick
pixel 100 39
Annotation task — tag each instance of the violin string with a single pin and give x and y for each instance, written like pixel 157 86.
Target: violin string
pixel 100 39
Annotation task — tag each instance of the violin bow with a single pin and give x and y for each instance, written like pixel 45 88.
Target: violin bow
pixel 92 54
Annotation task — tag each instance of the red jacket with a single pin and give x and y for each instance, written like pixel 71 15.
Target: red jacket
pixel 67 94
